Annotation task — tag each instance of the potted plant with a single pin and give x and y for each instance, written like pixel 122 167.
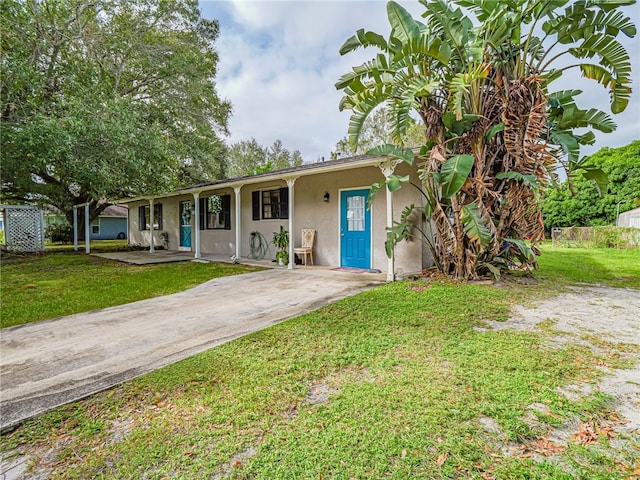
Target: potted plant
pixel 281 241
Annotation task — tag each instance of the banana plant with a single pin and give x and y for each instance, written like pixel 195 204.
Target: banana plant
pixel 478 74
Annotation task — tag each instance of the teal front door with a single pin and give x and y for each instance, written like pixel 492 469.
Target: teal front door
pixel 355 229
pixel 185 224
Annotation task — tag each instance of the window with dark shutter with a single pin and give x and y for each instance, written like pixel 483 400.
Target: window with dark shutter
pixel 255 205
pixel 284 203
pixel 226 211
pixel 202 206
pixel 142 220
pixel 271 204
pixel 144 217
pixel 215 212
pixel 157 216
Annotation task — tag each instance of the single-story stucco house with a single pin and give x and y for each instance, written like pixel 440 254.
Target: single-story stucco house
pixel 219 218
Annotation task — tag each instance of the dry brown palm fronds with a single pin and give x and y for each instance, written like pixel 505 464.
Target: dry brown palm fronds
pixel 437 156
pixel 432 117
pixel 524 118
pixel 537 118
pixel 524 218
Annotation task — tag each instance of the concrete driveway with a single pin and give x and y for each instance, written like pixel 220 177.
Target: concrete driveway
pixel 50 363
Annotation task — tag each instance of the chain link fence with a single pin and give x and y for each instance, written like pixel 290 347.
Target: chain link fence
pixel 596 237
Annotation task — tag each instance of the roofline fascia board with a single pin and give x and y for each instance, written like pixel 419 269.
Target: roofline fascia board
pixel 281 175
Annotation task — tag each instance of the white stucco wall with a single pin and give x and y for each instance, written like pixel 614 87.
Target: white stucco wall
pixel 142 237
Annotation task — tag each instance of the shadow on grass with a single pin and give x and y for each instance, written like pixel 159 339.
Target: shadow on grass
pixel 613 267
pixel 100 246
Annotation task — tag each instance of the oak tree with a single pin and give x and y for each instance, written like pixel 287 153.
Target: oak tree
pixel 107 98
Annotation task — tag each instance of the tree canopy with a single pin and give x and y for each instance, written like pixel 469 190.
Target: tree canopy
pixel 107 98
pixel 480 79
pixel 577 201
pixel 376 130
pixel 248 157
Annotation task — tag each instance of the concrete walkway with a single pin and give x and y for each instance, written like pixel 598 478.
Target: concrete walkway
pixel 144 257
pixel 50 363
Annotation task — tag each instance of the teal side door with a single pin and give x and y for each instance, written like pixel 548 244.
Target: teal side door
pixel 185 224
pixel 355 229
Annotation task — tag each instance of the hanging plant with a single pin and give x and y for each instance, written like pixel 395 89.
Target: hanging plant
pixel 215 204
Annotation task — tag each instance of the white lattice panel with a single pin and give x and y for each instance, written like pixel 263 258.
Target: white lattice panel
pixel 24 229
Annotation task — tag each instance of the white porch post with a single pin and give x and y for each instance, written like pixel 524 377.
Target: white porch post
pixel 87 229
pixel 238 221
pixel 128 237
pixel 75 228
pixel 43 229
pixel 290 183
pixel 387 168
pixel 391 264
pixel 151 222
pixel 196 196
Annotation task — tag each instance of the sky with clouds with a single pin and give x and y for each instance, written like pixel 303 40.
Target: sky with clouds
pixel 279 62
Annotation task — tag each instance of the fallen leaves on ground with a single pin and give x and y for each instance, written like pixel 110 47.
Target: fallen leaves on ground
pixel 440 459
pixel 543 447
pixel 419 288
pixel 589 432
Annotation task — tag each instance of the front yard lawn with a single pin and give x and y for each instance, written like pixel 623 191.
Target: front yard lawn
pixel 39 287
pixel 393 383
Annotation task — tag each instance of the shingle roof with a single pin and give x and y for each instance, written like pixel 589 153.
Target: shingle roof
pixel 285 171
pixel 308 168
pixel 114 211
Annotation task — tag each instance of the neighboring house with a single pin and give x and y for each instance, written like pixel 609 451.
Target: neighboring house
pixel 111 224
pixel 630 218
pixel 330 197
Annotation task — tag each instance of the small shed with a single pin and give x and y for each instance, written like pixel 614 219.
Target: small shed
pixel 630 218
pixel 23 228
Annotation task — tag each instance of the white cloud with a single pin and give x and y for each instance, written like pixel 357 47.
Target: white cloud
pixel 279 62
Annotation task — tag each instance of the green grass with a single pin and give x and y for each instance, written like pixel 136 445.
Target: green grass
pixel 39 287
pixel 95 245
pixel 408 379
pixel 564 266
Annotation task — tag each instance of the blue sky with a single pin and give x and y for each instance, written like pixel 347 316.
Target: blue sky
pixel 279 62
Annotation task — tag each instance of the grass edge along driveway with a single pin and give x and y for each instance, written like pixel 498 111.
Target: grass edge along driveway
pixel 41 287
pixel 392 383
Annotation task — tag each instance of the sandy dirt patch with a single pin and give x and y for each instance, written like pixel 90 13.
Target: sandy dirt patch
pixel 593 316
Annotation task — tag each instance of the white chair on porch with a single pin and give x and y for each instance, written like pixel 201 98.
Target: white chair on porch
pixel 308 236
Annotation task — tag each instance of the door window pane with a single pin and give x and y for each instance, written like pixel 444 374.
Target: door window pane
pixel 185 213
pixel 355 213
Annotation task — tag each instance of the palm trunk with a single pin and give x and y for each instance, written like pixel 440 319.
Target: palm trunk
pixel 459 259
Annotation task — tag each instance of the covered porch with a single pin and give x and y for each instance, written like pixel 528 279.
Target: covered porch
pixel 144 257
